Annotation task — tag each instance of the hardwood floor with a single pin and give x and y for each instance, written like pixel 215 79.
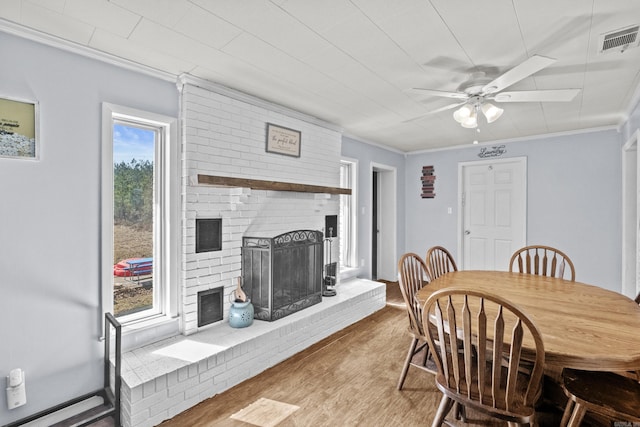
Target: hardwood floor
pixel 348 379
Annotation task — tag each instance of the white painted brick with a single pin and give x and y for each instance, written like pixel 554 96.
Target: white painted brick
pixel 154 421
pixel 182 386
pixel 183 406
pixel 183 375
pixel 138 418
pixel 210 373
pixel 148 389
pixel 136 394
pixel 148 402
pixel 195 391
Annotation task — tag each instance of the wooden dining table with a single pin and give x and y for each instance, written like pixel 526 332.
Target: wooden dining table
pixel 582 326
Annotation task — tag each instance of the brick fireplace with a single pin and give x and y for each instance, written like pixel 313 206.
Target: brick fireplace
pixel 224 134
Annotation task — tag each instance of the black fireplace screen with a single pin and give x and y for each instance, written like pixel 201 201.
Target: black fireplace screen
pixel 282 274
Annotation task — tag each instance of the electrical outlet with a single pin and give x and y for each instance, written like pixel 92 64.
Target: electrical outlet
pixel 16 392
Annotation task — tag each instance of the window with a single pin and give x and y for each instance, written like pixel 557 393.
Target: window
pixel 347 218
pixel 139 214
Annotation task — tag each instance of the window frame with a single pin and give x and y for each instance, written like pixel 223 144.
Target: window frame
pixel 166 212
pixel 352 257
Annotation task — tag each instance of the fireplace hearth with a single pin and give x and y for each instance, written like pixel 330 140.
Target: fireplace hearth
pixel 282 274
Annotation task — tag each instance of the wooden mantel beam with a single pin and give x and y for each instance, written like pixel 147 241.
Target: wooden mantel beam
pixel 258 184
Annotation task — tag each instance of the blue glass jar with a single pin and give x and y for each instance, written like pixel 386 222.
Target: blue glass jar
pixel 241 314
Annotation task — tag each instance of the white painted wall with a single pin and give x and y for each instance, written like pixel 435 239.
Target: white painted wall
pixel 50 314
pixel 574 200
pixel 369 155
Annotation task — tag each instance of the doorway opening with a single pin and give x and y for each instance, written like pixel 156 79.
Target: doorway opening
pixel 383 222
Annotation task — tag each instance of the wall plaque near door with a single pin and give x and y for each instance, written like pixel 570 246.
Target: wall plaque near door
pixel 428 179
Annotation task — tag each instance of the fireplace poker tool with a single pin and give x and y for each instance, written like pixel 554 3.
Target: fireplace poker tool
pixel 329 279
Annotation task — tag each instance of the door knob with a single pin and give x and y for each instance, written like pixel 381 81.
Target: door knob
pixel 467 232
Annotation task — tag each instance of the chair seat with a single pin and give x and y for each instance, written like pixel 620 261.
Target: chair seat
pixel 605 393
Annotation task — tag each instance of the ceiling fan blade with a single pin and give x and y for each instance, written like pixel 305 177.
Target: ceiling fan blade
pixel 517 73
pixel 454 95
pixel 554 95
pixel 446 107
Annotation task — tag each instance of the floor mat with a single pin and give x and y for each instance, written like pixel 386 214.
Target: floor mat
pixel 265 412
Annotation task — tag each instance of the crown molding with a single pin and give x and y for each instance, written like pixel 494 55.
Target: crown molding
pixel 374 144
pixel 15 29
pixel 519 139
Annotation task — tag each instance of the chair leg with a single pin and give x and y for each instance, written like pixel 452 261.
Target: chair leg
pixel 459 412
pixel 566 415
pixel 405 368
pixel 443 409
pixel 577 416
pixel 427 353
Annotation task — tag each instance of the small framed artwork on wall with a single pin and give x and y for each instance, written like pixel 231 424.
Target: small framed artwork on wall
pixel 282 140
pixel 18 129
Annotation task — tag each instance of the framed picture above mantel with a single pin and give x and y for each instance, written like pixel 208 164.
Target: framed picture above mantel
pixel 282 140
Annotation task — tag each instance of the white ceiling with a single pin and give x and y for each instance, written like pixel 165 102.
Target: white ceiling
pixel 351 62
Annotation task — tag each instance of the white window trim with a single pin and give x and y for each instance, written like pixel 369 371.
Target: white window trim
pixel 170 233
pixel 344 270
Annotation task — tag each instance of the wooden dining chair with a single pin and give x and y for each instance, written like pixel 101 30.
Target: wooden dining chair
pixel 412 276
pixel 605 393
pixel 491 330
pixel 543 261
pixel 439 261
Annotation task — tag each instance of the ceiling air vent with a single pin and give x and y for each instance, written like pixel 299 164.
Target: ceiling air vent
pixel 619 40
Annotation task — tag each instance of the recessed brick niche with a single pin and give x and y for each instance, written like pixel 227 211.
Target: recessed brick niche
pixel 208 234
pixel 210 306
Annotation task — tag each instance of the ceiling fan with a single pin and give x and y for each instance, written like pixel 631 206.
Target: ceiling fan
pixel 475 94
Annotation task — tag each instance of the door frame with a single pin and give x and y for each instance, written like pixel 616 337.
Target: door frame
pixel 461 225
pixel 630 217
pixel 387 187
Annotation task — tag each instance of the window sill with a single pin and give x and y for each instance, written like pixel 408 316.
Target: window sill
pixel 136 334
pixel 348 273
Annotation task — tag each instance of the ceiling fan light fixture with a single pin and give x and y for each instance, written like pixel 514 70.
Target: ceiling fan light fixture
pixel 491 112
pixel 463 113
pixel 471 121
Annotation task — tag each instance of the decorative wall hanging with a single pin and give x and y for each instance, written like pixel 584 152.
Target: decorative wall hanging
pixel 283 140
pixel 18 129
pixel 495 151
pixel 428 179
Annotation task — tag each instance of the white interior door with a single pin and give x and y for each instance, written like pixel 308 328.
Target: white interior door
pixel 494 209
